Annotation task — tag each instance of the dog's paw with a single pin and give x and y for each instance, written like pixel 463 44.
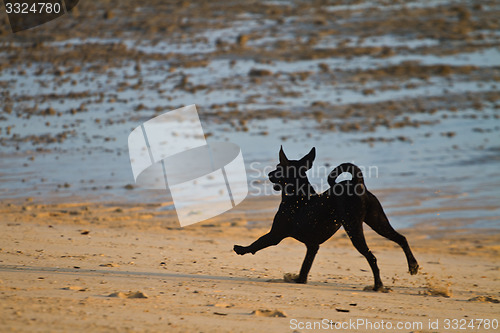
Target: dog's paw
pixel 293 278
pixel 380 289
pixel 239 250
pixel 414 269
pixel 290 277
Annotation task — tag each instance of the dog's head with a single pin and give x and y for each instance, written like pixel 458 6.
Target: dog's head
pixel 290 175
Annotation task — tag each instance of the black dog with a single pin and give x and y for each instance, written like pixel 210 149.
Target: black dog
pixel 313 218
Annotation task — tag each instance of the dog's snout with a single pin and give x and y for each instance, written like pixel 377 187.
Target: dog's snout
pixel 272 176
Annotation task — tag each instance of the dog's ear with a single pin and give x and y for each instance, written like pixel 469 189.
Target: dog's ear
pixel 283 158
pixel 309 158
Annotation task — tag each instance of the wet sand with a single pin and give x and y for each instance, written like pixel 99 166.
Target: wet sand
pixel 419 102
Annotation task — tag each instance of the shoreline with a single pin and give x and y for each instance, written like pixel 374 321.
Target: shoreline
pixel 254 216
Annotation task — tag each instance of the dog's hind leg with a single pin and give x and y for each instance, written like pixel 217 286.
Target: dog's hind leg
pixel 306 265
pixel 267 240
pixel 378 221
pixel 355 233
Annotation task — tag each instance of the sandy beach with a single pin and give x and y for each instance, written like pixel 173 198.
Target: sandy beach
pixel 80 267
pixel 407 90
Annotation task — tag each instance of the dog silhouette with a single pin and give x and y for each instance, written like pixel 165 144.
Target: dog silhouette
pixel 313 218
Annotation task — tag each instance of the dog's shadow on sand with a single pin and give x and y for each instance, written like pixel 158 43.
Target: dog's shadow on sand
pixel 180 276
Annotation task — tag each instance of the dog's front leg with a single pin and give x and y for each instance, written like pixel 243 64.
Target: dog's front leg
pixel 267 240
pixel 306 265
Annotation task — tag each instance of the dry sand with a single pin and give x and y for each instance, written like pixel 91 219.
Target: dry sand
pixel 105 267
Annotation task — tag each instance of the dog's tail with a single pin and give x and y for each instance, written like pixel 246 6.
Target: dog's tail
pixel 355 171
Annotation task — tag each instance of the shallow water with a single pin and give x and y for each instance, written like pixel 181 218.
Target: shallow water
pixel 430 179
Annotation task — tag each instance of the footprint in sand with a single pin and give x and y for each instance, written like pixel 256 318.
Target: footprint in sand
pixel 268 313
pixel 109 265
pixel 130 294
pixel 76 288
